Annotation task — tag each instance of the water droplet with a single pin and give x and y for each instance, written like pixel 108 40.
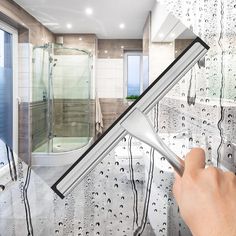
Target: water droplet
pixel 230 155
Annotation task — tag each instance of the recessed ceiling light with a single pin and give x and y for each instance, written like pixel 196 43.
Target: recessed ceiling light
pixel 105 51
pixel 69 26
pixel 122 26
pixel 80 39
pixel 122 47
pixel 161 35
pixel 89 11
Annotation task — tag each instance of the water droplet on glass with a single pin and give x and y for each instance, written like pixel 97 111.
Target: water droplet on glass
pixel 2 187
pixel 230 155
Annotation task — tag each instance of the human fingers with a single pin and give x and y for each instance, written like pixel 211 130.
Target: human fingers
pixel 177 187
pixel 195 160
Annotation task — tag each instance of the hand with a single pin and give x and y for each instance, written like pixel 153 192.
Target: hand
pixel 206 197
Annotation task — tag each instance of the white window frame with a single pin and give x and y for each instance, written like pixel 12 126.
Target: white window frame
pixel 14 33
pixel 126 55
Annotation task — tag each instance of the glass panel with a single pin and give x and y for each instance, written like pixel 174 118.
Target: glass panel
pixel 6 87
pixel 40 69
pixel 134 75
pixel 71 84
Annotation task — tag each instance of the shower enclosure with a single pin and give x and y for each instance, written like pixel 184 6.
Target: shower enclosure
pixel 61 107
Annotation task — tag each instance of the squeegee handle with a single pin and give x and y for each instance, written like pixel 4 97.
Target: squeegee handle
pixel 176 162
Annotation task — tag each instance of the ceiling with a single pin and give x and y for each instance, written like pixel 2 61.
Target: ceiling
pixel 104 21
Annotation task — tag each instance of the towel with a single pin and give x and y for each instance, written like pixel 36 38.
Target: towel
pixel 99 120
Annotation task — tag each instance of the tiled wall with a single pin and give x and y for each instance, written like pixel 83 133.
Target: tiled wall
pixel 115 48
pixel 24 72
pixel 110 78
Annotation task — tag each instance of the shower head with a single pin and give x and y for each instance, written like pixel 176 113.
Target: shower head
pixel 139 126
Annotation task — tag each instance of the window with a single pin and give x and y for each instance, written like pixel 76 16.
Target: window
pixel 133 74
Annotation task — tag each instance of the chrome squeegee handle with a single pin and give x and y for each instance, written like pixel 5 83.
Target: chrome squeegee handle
pixel 139 126
pixel 176 162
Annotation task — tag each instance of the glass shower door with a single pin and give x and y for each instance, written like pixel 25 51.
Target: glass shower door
pixel 70 91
